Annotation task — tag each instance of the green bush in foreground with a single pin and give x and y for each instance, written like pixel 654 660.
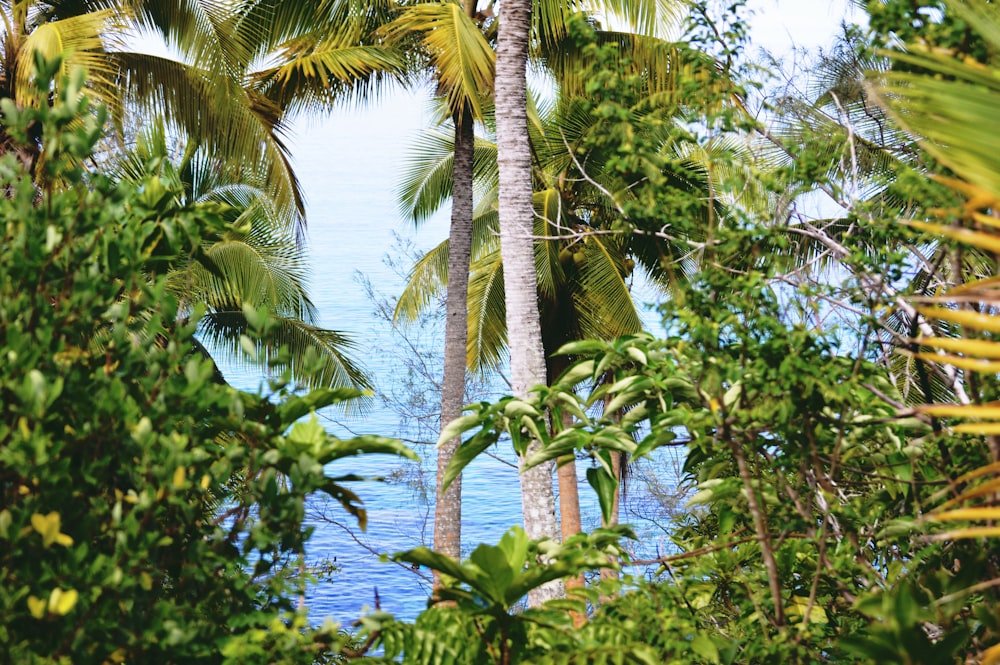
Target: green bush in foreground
pixel 148 512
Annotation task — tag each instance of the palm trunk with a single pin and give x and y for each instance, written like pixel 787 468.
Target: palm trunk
pixel 569 492
pixel 527 361
pixel 448 506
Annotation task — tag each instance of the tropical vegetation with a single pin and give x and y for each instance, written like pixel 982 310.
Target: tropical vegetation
pixel 830 380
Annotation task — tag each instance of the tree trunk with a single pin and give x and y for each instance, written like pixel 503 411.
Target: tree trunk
pixel 569 492
pixel 527 361
pixel 448 506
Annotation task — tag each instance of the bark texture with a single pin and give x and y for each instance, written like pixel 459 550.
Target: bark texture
pixel 448 505
pixel 527 360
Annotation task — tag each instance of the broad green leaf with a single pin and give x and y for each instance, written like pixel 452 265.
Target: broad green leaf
pixel 514 544
pixel 564 443
pixel 498 574
pixel 517 408
pixel 423 556
pixel 297 406
pixel 577 372
pixel 366 444
pixel 582 347
pixel 703 645
pixel 465 453
pixel 458 426
pixel 658 438
pixel 606 486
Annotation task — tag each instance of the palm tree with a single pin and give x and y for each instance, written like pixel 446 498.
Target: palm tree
pixel 583 270
pixel 220 87
pixel 256 263
pixel 454 42
pixel 464 74
pixel 516 218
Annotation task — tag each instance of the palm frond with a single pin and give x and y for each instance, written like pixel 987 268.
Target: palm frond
pixel 321 356
pixel 424 284
pixel 224 121
pixel 81 39
pixel 317 71
pixel 487 341
pixel 462 58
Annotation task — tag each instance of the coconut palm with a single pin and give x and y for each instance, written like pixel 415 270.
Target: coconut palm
pixel 218 87
pixel 255 264
pixel 584 271
pixel 516 220
pixel 463 62
pixel 455 44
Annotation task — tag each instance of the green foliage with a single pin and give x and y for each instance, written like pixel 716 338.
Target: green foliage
pixel 148 512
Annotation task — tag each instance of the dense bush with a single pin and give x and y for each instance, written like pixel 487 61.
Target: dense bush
pixel 148 511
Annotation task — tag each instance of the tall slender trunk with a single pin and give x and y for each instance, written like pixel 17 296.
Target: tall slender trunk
pixel 527 361
pixel 569 491
pixel 448 506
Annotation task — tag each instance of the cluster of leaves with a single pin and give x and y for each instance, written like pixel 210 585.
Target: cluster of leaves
pixel 148 511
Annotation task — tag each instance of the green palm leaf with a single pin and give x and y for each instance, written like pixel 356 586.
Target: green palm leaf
pixel 462 58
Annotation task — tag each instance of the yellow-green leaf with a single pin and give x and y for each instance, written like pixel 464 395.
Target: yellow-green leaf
pixel 969 347
pixel 971 532
pixel 987 241
pixel 180 474
pixel 48 527
pixel 967 514
pixel 61 602
pixel 963 317
pixel 991 411
pixel 962 362
pixel 37 607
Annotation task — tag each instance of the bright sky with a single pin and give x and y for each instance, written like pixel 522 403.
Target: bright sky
pixel 779 24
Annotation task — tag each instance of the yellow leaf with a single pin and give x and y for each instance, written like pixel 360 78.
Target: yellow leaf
pixel 37 607
pixel 963 317
pixel 117 657
pixel 61 602
pixel 967 514
pixel 205 481
pixel 180 473
pixel 974 285
pixel 970 347
pixel 986 220
pixel 971 364
pixel 48 527
pixel 984 489
pixel 976 197
pixel 985 429
pixel 991 656
pixel 987 241
pixel 991 410
pixel 971 532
